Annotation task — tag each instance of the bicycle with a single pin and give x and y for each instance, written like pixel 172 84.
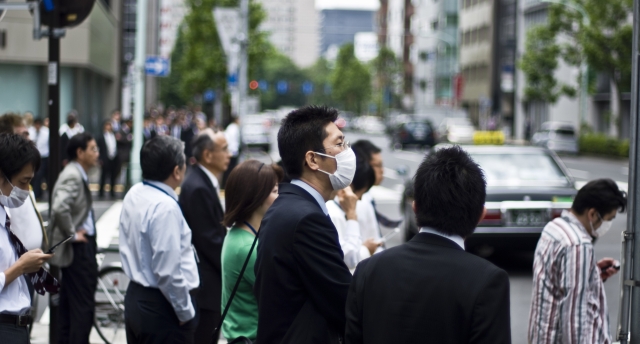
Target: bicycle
pixel 112 287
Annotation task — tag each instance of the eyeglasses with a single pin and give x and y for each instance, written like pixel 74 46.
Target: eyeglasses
pixel 342 146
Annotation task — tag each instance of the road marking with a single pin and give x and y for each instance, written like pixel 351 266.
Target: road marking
pixel 579 173
pixel 410 156
pixel 108 225
pixel 624 186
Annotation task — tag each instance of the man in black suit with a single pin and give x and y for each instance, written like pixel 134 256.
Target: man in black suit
pixel 301 279
pixel 109 158
pixel 203 211
pixel 430 290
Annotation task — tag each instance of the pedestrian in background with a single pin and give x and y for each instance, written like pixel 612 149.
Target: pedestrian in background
pixel 232 133
pixel 431 288
pixel 251 189
pixel 301 279
pixel 342 210
pixel 109 159
pixel 72 214
pixel 202 209
pixel 67 131
pixel 19 159
pixel 156 250
pixel 40 135
pixel 569 303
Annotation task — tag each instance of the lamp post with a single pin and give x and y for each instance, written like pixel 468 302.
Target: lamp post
pixel 584 68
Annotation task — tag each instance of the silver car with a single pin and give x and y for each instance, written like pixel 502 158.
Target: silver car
pixel 557 136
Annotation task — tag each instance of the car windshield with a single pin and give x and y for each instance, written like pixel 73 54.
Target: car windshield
pixel 565 132
pixel 511 169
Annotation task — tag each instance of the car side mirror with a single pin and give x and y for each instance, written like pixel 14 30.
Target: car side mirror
pixel 402 170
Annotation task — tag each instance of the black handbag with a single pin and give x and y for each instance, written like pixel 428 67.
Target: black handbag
pixel 239 340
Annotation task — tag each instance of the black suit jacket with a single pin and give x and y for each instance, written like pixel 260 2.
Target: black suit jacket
pixel 202 209
pixel 428 290
pixel 301 279
pixel 104 151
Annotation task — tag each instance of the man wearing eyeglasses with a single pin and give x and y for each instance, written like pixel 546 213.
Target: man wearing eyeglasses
pixel 301 278
pixel 72 214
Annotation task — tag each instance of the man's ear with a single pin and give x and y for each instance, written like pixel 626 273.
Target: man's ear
pixel 484 213
pixel 176 172
pixel 310 160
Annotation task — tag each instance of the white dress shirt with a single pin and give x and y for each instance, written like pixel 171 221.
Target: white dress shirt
pixel 26 225
pixel 369 226
pixel 88 224
pixel 313 192
pixel 348 234
pixel 111 143
pixel 213 178
pixel 455 238
pixel 71 132
pixel 14 298
pixel 155 245
pixel 41 139
pixel 232 134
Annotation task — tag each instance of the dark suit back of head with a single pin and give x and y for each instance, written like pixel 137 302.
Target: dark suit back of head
pixel 160 156
pixel 430 290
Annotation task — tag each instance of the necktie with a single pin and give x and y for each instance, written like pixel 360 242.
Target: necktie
pixel 42 281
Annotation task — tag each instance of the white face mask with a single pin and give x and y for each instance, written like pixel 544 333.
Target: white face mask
pixel 15 199
pixel 343 176
pixel 604 227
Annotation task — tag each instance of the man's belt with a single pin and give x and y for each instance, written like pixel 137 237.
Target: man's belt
pixel 18 320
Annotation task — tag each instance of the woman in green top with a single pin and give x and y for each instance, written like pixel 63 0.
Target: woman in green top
pixel 250 190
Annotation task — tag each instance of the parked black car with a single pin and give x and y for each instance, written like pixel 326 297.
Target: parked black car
pixel 419 133
pixel 526 188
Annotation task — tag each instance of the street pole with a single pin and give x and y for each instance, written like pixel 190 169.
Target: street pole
pixel 139 76
pixel 244 58
pixel 630 300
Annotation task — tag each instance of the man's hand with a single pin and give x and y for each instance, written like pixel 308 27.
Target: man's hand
pixel 372 245
pixel 607 263
pixel 32 261
pixel 80 236
pixel 348 201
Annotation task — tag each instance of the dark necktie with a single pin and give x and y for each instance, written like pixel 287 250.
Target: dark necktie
pixel 42 281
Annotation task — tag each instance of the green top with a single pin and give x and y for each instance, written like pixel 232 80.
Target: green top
pixel 242 319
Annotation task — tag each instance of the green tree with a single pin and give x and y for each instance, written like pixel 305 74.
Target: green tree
pixel 387 71
pixel 320 75
pixel 280 68
pixel 351 81
pixel 170 86
pixel 538 63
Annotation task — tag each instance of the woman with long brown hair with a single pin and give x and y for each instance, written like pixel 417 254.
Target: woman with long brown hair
pixel 251 188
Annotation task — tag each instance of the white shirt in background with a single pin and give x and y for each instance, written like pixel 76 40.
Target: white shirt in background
pixel 369 227
pixel 349 236
pixel 14 298
pixel 71 132
pixel 111 143
pixel 41 139
pixel 232 133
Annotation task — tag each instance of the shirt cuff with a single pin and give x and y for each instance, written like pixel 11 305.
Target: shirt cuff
pixel 187 314
pixel 3 279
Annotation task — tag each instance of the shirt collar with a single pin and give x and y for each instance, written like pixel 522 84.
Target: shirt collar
pixel 164 187
pixel 313 192
pixel 213 178
pixel 81 169
pixel 455 238
pixel 566 214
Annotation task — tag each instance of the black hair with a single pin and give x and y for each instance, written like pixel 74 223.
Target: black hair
pixel 303 130
pixel 449 190
pixel 367 147
pixel 365 176
pixel 160 156
pixel 201 143
pixel 602 194
pixel 16 152
pixel 78 141
pixel 285 177
pixel 37 121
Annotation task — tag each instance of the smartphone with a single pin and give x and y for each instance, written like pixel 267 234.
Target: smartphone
pixel 390 234
pixel 616 266
pixel 53 248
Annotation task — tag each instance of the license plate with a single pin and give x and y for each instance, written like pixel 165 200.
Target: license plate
pixel 528 218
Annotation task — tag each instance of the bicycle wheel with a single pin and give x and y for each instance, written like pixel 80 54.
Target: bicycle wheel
pixel 109 318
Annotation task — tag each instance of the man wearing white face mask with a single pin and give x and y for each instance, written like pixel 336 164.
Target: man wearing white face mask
pixel 301 279
pixel 568 302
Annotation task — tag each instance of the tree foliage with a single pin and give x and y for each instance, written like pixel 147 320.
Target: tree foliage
pixel 387 70
pixel 280 68
pixel 350 81
pixel 320 75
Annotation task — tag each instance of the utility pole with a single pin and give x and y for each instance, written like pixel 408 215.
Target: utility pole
pixel 139 76
pixel 243 37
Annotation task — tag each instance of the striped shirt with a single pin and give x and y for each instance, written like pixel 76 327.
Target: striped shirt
pixel 568 303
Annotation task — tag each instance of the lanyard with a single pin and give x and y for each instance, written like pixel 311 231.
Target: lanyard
pixel 157 188
pixel 251 227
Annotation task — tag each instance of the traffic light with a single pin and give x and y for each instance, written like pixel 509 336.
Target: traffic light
pixel 70 12
pixel 254 85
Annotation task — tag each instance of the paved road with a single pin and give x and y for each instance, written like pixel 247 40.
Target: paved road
pixel 518 264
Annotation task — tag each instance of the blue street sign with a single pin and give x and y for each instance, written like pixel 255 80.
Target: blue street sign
pixel 263 85
pixel 282 87
pixel 232 79
pixel 307 87
pixel 157 66
pixel 209 95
